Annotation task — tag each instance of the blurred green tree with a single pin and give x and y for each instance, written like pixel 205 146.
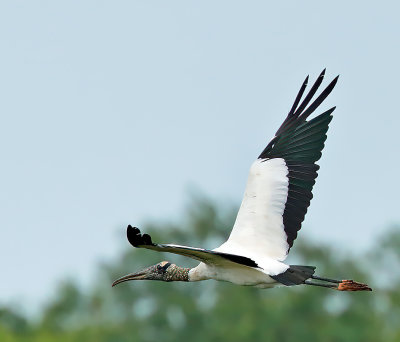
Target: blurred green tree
pixel 215 311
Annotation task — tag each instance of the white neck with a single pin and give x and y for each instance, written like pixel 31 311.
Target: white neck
pixel 201 272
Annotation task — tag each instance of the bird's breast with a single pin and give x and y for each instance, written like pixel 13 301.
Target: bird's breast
pixel 235 273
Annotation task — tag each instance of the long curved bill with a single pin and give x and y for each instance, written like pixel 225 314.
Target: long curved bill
pixel 141 275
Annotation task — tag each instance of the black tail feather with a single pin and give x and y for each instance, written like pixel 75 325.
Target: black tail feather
pixel 295 275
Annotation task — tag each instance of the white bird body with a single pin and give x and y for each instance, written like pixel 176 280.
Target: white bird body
pixel 235 273
pixel 258 231
pixel 276 199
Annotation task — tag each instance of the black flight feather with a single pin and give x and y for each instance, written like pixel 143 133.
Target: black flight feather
pixel 300 143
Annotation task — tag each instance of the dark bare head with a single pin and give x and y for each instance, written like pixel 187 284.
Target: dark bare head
pixel 164 271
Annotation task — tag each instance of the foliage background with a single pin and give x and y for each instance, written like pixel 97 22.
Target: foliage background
pixel 215 311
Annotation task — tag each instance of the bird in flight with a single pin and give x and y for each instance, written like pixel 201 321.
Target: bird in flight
pixel 276 199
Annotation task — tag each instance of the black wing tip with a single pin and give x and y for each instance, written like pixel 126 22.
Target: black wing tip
pixel 334 81
pixel 137 239
pixel 330 87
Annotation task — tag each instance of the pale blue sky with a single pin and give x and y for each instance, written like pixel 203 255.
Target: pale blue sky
pixel 111 109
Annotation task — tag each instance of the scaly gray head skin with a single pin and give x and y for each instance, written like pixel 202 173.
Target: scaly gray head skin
pixel 164 271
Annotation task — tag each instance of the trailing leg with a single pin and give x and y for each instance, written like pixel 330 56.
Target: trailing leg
pixel 340 285
pixel 297 275
pixel 331 286
pixel 325 279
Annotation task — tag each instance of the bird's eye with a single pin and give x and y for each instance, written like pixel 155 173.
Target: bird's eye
pixel 159 268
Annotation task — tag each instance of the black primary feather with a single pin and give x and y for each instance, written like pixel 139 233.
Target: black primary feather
pixel 300 143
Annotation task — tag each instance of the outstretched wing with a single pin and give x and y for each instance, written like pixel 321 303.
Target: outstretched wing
pixel 138 240
pixel 280 183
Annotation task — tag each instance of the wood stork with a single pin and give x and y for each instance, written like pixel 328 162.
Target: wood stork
pixel 276 199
